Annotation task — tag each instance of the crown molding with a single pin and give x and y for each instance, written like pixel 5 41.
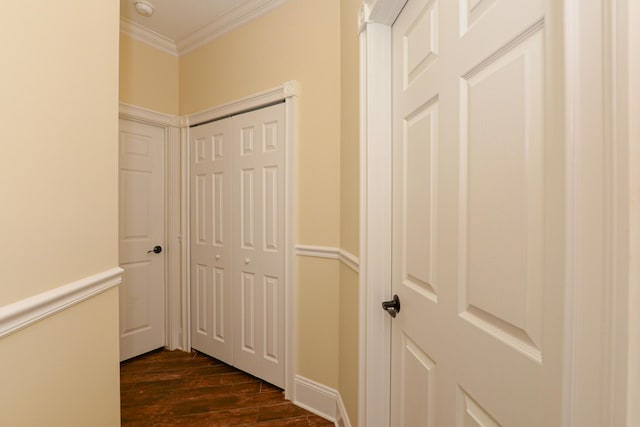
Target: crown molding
pixel 227 22
pixel 231 20
pixel 147 36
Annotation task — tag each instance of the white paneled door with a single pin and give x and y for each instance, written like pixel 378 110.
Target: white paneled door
pixel 477 340
pixel 211 240
pixel 141 236
pixel 237 241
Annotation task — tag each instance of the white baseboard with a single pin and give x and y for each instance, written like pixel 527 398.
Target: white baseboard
pixel 321 400
pixel 342 419
pixel 23 313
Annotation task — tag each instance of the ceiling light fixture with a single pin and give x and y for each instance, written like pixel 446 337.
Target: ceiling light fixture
pixel 144 8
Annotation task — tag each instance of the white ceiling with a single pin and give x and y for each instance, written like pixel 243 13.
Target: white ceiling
pixel 178 26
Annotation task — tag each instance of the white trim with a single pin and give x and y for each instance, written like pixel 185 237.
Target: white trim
pixel 316 398
pixel 323 401
pixel 342 418
pixel 147 36
pixel 349 259
pixel 375 223
pixel 185 239
pixel 289 91
pixel 279 93
pixel 23 313
pixel 317 251
pixel 134 112
pixel 632 365
pixel 346 257
pixel 242 14
pixel 175 338
pixel 384 12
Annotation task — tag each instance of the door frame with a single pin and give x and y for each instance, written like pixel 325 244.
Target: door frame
pixel 601 343
pixel 174 338
pixel 287 93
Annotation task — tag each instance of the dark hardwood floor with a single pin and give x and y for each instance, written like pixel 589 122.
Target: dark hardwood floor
pixel 173 388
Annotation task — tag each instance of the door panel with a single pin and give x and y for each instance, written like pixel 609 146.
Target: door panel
pixel 259 256
pixel 211 322
pixel 469 209
pixel 141 228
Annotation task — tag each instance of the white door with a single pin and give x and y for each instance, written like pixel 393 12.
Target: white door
pixel 237 241
pixel 478 338
pixel 141 230
pixel 258 235
pixel 211 278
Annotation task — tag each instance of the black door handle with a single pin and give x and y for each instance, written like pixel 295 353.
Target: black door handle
pixel 392 307
pixel 155 250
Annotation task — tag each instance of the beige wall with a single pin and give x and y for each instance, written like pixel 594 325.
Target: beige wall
pixel 349 205
pixel 58 222
pixel 349 127
pixel 148 76
pixel 64 371
pixel 297 41
pixel 349 342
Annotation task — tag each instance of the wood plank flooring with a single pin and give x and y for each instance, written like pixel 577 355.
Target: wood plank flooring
pixel 173 388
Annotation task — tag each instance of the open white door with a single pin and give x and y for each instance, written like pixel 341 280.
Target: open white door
pixel 141 229
pixel 477 221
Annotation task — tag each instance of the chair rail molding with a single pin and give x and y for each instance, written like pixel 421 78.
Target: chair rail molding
pixel 23 313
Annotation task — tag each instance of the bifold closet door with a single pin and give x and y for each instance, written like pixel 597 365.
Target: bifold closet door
pixel 211 240
pixel 258 236
pixel 237 241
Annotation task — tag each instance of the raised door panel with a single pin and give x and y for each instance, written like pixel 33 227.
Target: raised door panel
pixel 211 246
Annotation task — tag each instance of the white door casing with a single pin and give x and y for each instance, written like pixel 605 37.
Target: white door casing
pixel 476 341
pixel 588 105
pixel 141 228
pixel 211 240
pixel 238 225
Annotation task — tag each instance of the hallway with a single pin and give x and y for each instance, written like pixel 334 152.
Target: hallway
pixel 173 388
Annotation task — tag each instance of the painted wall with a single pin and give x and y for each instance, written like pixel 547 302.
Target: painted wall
pixel 148 76
pixel 58 222
pixel 349 205
pixel 297 41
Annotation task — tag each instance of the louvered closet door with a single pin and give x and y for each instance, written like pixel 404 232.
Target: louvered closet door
pixel 258 236
pixel 211 240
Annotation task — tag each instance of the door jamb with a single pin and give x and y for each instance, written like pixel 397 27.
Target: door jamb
pixel 288 93
pixel 170 125
pixel 584 299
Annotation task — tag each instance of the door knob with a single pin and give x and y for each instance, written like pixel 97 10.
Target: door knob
pixel 392 307
pixel 217 257
pixel 155 250
pixel 247 260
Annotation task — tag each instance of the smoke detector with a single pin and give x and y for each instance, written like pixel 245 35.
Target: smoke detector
pixel 144 8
